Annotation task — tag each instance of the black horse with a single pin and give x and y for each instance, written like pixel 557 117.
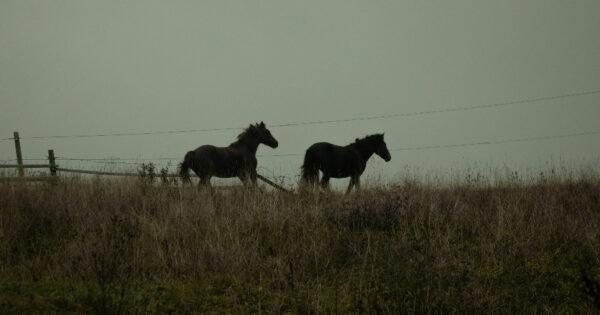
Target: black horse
pixel 236 160
pixel 339 162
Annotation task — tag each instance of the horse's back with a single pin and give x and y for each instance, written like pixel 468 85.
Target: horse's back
pixel 337 161
pixel 218 154
pixel 207 148
pixel 320 152
pixel 222 162
pixel 322 147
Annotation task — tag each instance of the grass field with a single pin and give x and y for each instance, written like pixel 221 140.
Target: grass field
pixel 124 246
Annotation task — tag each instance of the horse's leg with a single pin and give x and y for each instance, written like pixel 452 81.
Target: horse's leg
pixel 253 178
pixel 351 184
pixel 325 182
pixel 357 183
pixel 202 174
pixel 243 176
pixel 205 183
pixel 313 181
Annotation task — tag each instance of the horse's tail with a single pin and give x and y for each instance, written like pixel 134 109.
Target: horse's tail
pixel 310 169
pixel 184 167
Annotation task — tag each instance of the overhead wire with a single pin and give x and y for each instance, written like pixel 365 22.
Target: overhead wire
pixel 428 147
pixel 489 142
pixel 330 121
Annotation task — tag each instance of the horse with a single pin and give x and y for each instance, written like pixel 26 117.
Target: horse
pixel 342 161
pixel 236 160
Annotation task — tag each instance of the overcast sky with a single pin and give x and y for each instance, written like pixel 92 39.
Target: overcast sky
pixel 95 67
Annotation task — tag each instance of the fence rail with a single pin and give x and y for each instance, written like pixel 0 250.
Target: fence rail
pixel 20 166
pixel 25 166
pixel 69 170
pixel 89 172
pixel 28 179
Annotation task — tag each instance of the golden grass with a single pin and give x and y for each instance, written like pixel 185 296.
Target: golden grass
pixel 123 246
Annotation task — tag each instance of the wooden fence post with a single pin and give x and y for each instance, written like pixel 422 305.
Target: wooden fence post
pixel 52 162
pixel 19 155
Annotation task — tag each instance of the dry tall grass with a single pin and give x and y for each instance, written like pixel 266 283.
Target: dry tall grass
pixel 95 245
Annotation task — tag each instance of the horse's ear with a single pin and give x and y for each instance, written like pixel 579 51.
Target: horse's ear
pixel 262 124
pixel 356 140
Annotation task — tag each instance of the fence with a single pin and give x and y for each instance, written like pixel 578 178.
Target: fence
pixel 20 166
pixel 54 168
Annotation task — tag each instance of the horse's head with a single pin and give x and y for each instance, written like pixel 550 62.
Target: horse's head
pixel 265 136
pixel 381 148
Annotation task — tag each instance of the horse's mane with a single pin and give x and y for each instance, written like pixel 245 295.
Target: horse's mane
pixel 250 131
pixel 374 138
pixel 247 132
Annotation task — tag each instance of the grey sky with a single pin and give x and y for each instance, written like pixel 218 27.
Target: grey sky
pixel 78 67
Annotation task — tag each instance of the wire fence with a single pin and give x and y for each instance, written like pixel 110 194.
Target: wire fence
pixel 138 161
pixel 272 179
pixel 141 161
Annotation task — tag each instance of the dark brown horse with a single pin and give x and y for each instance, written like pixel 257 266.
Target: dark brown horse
pixel 236 160
pixel 339 162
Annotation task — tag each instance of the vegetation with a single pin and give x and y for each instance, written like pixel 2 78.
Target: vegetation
pixel 139 246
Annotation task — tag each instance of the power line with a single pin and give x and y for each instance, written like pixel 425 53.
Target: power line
pixel 131 133
pixel 320 122
pixel 14 160
pixel 429 147
pixel 445 110
pixel 143 159
pixel 123 160
pixel 104 162
pixel 489 142
pixel 111 159
pixel 280 155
